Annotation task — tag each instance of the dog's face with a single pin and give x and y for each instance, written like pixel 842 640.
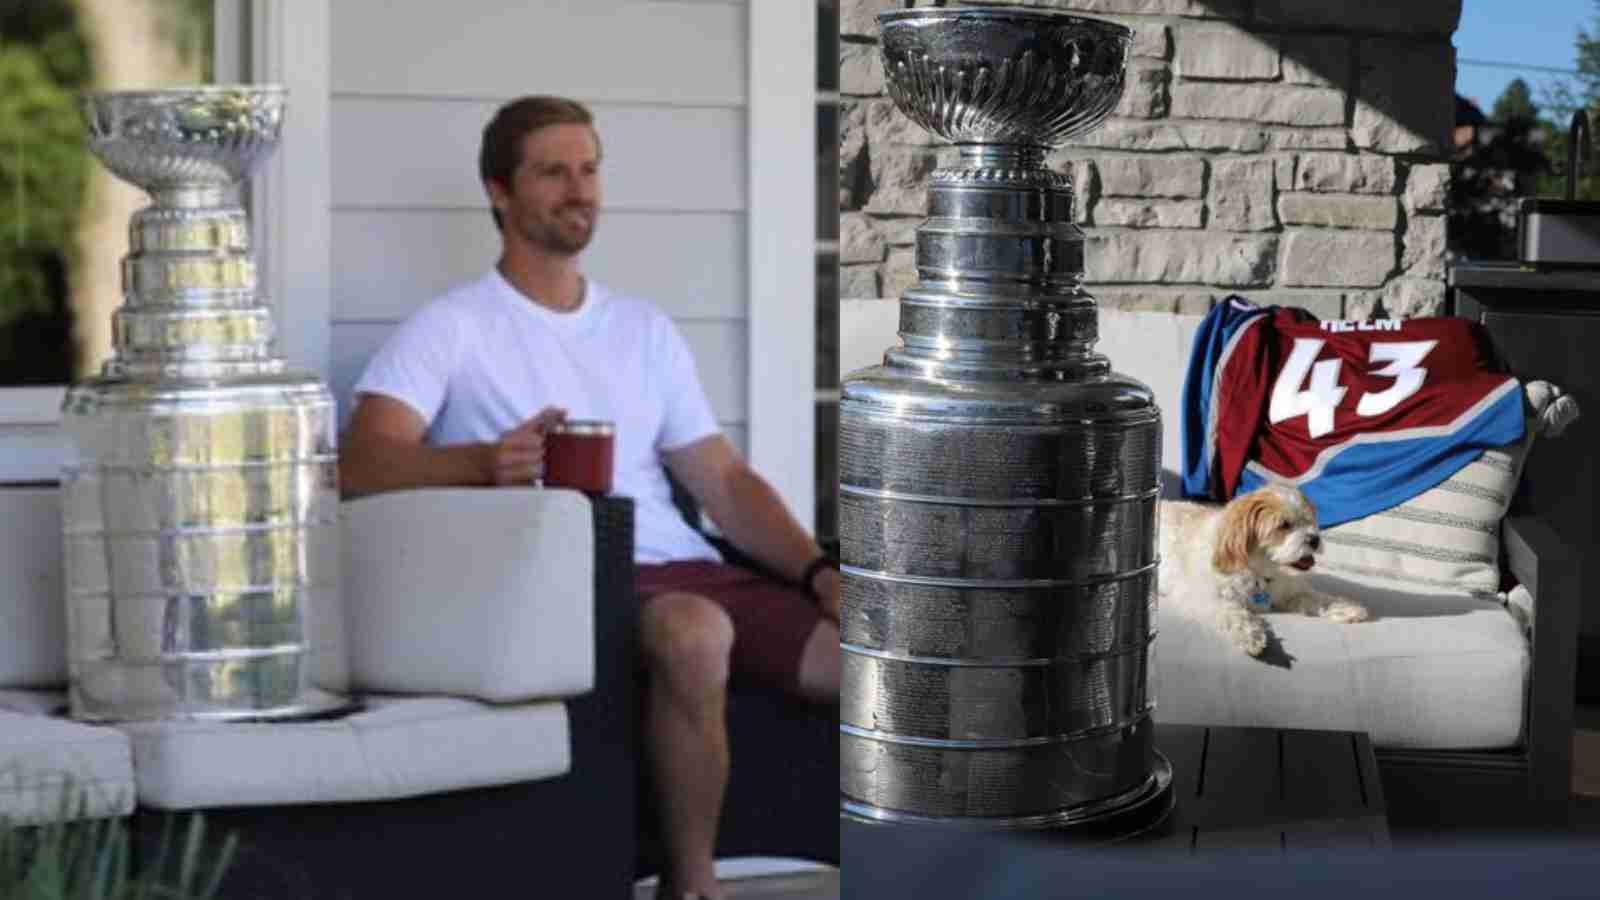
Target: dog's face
pixel 1270 531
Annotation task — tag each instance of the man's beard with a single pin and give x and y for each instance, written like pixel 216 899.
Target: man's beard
pixel 553 235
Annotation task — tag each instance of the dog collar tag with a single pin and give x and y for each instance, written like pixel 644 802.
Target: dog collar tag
pixel 1261 600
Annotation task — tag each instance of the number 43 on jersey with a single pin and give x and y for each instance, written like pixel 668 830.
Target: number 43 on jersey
pixel 1307 386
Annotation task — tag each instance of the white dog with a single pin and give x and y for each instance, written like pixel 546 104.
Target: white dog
pixel 1223 566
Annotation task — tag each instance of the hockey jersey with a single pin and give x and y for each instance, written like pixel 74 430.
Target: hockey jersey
pixel 1361 416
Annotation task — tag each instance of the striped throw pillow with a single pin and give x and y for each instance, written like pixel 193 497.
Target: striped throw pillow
pixel 1444 540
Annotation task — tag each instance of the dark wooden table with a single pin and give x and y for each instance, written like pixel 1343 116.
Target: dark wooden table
pixel 1268 788
pixel 1282 793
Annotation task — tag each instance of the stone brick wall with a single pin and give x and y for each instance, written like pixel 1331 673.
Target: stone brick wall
pixel 1287 150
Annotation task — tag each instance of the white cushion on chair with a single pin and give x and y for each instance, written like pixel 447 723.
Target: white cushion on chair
pixel 474 592
pixel 52 768
pixel 1433 671
pixel 33 622
pixel 396 747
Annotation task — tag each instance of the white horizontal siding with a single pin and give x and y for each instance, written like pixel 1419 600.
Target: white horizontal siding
pixel 692 265
pixel 718 348
pixel 413 152
pixel 591 50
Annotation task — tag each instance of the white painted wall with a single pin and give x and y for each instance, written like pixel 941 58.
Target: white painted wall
pixel 782 232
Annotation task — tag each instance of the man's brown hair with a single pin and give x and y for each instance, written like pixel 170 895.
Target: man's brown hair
pixel 501 151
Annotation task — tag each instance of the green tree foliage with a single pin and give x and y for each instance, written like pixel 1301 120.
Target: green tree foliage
pixel 80 858
pixel 1515 104
pixel 1561 98
pixel 44 165
pixel 1487 183
pixel 1581 91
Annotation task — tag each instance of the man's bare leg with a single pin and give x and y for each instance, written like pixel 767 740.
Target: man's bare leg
pixel 819 664
pixel 686 640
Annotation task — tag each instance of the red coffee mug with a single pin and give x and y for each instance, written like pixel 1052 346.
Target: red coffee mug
pixel 580 454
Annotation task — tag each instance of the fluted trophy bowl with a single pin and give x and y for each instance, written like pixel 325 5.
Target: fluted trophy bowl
pixel 208 136
pixel 1003 75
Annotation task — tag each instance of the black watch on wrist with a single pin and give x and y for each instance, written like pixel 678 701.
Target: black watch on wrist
pixel 810 573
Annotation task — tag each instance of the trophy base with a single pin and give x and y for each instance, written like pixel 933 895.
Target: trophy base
pixel 1115 820
pixel 313 705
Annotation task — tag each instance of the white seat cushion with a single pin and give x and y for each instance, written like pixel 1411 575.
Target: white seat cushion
pixel 33 621
pixel 1429 672
pixel 53 769
pixel 396 747
pixel 473 592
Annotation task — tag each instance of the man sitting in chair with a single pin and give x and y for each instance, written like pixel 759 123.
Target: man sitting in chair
pixel 464 391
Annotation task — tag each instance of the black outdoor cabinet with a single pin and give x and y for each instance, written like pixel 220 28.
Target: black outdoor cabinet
pixel 1546 325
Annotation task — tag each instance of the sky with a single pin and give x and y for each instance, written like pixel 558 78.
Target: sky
pixel 1517 32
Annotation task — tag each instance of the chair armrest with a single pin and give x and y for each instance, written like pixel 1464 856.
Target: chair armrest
pixel 1554 575
pixel 613 554
pixel 474 592
pixel 605 721
pixel 1539 559
pixel 733 556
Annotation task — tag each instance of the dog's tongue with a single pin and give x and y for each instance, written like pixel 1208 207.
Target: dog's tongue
pixel 1304 563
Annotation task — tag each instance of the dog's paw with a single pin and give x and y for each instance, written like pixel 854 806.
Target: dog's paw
pixel 1344 612
pixel 1247 630
pixel 1254 639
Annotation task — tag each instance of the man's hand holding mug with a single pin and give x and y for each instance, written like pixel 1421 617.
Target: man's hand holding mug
pixel 519 456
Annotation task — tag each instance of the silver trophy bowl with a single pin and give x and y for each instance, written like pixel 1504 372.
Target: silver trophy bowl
pixel 200 499
pixel 998 483
pixel 184 137
pixel 1003 75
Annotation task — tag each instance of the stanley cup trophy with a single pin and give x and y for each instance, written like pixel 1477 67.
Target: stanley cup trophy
pixel 201 510
pixel 998 483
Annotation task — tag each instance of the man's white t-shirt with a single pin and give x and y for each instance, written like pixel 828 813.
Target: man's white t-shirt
pixel 482 359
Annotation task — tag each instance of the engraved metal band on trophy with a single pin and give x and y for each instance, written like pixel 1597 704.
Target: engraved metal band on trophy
pixel 201 504
pixel 998 483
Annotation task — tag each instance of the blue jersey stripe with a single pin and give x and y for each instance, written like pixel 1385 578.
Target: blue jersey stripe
pixel 1363 478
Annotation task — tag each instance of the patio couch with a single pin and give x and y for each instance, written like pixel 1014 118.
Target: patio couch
pixel 491 639
pixel 1464 676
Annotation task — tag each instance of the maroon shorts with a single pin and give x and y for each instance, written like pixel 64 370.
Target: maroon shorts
pixel 771 620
